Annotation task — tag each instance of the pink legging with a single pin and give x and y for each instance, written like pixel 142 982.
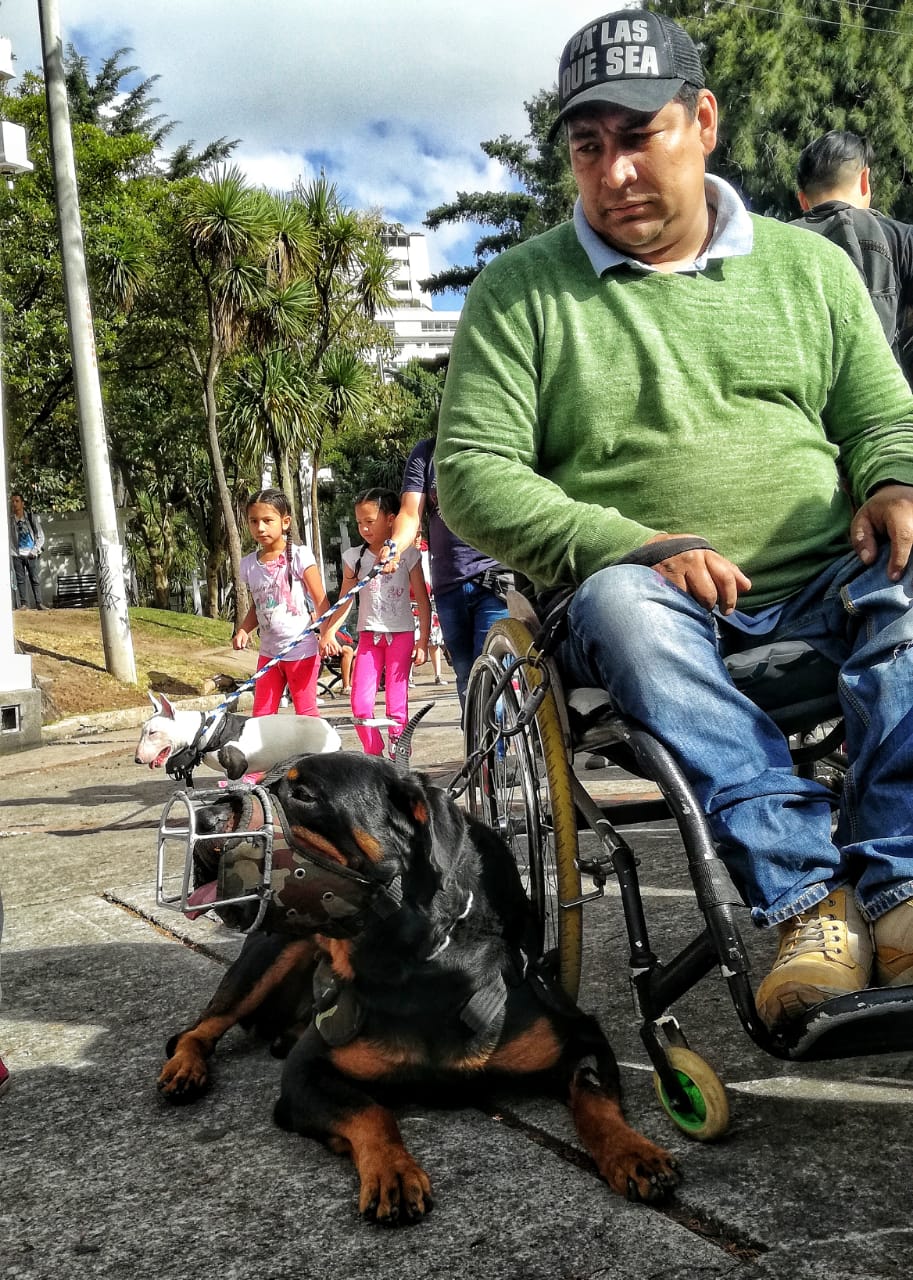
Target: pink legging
pixel 393 656
pixel 300 674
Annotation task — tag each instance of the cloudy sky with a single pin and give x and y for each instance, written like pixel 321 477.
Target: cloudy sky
pixel 390 97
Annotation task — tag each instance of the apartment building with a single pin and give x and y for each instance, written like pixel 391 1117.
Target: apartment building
pixel 418 331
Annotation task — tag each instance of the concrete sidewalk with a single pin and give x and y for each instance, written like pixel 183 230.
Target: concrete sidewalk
pixel 100 1178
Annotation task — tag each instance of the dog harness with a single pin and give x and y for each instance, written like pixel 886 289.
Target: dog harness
pixel 181 764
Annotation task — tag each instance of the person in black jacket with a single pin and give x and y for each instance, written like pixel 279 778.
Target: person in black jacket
pixel 833 175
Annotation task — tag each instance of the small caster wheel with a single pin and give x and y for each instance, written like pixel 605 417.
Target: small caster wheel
pixel 707 1116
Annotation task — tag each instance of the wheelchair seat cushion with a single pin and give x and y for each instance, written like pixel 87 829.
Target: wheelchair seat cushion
pixel 790 680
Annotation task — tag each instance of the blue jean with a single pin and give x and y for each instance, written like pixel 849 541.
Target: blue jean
pixel 660 655
pixel 466 612
pixel 27 571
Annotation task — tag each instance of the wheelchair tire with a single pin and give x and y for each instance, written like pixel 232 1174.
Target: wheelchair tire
pixel 522 789
pixel 708 1114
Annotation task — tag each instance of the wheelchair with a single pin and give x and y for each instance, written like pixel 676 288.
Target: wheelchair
pixel 522 730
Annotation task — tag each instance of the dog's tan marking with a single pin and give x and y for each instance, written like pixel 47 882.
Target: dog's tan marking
pixel 393 1185
pixel 368 845
pixel 340 952
pixel 318 843
pixel 420 812
pixel 368 1060
pixel 624 1157
pixel 187 1065
pixel 293 775
pixel 535 1049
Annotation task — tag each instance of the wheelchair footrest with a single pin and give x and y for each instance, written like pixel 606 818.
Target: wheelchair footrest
pixel 865 1022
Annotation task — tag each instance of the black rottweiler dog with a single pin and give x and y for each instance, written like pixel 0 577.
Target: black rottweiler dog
pixel 395 952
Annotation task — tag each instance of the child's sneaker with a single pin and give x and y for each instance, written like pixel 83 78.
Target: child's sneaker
pixel 4 1077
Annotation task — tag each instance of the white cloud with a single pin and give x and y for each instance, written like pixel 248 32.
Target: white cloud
pixel 392 98
pixel 278 170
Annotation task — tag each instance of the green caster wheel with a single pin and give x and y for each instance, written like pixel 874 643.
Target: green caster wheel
pixel 707 1116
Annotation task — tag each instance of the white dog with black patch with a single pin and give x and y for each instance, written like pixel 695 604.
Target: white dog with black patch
pixel 239 745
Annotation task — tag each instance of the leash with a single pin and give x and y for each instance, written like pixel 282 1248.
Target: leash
pixel 182 763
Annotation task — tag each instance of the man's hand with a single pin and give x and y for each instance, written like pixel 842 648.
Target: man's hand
pixel 389 557
pixel 888 513
pixel 241 639
pixel 706 576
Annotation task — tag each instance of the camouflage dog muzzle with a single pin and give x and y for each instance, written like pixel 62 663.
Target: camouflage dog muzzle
pixel 255 876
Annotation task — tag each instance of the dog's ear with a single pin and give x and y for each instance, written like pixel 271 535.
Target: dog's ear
pixel 167 708
pixel 156 705
pixel 408 794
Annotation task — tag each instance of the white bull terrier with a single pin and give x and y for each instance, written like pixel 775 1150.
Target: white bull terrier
pixel 240 744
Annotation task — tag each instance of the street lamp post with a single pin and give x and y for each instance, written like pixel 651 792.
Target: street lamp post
pixel 109 560
pixel 20 704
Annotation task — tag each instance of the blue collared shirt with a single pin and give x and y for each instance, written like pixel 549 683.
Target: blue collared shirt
pixel 733 233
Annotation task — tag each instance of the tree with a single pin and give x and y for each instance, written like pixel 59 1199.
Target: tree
pixel 118 206
pixel 151 405
pixel 785 73
pixel 248 252
pixel 351 276
pixel 372 453
pixel 103 101
pixel 546 195
pixel 273 408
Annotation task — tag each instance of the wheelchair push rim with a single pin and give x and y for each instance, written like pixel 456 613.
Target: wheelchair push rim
pixel 522 789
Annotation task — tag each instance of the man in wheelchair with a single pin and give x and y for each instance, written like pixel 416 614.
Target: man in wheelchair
pixel 688 413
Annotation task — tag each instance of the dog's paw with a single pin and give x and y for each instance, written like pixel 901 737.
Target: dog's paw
pixel 642 1171
pixel 395 1190
pixel 184 1078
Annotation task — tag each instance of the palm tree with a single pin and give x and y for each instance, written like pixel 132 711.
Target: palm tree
pixel 248 251
pixel 273 411
pixel 351 280
pixel 349 390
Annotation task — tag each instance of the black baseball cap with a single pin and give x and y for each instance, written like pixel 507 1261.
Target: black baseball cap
pixel 630 58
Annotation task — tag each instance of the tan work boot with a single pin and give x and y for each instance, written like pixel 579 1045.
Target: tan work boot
pixel 893 934
pixel 824 952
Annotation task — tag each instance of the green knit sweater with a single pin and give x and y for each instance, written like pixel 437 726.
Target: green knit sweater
pixel 582 415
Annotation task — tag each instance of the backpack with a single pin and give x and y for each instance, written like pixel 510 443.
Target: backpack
pixel 861 236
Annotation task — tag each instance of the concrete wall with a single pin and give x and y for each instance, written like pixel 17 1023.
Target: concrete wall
pixel 68 547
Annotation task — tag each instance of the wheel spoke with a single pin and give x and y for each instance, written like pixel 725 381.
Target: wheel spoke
pixel 521 779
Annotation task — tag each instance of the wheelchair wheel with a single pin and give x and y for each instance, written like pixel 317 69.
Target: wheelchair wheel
pixel 707 1116
pixel 522 788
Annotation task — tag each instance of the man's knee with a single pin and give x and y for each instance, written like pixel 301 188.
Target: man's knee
pixel 622 594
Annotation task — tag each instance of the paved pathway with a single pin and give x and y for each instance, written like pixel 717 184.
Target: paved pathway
pixel 99 1178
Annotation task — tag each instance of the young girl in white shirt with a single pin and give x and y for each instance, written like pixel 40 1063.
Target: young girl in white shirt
pixel 287 593
pixel 386 637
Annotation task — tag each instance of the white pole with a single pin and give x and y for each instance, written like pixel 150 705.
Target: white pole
pixel 15 668
pixel 107 550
